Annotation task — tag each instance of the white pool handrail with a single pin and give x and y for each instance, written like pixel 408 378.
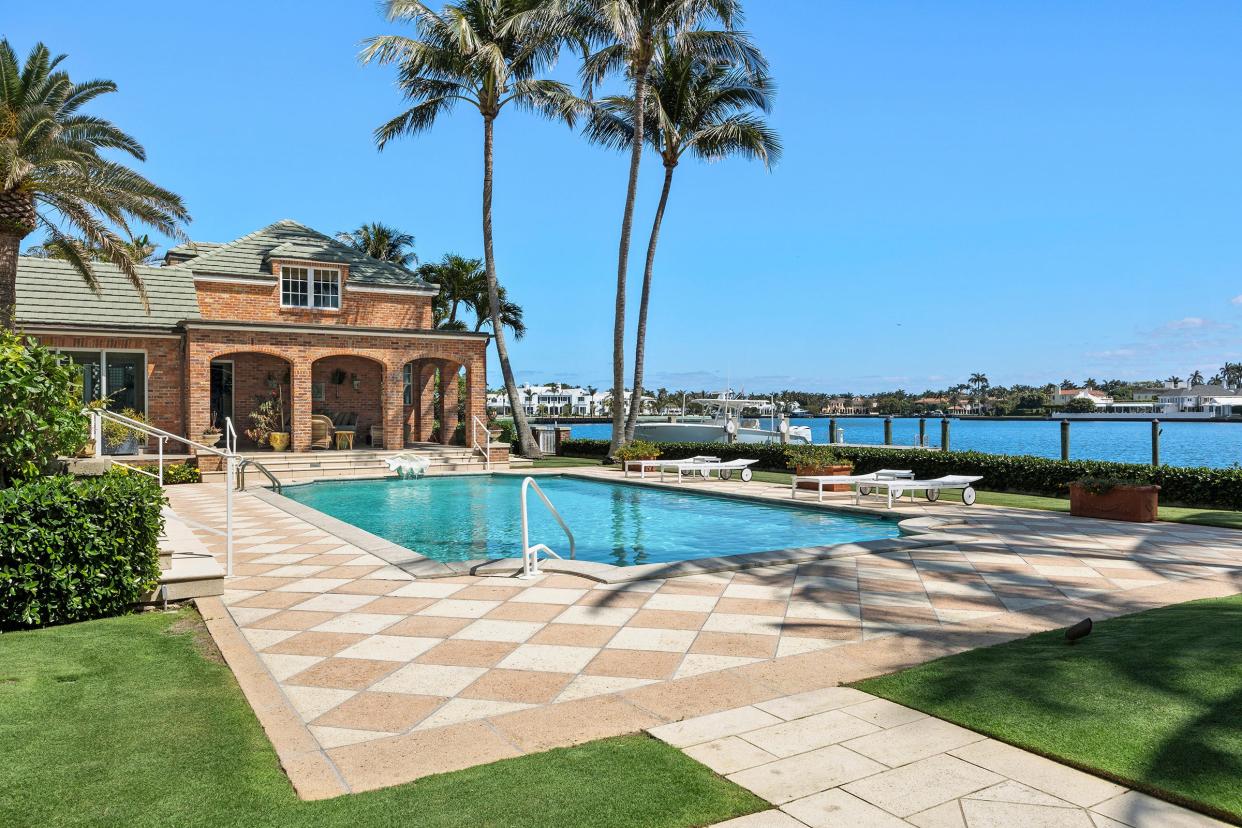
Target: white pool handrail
pixel 530 554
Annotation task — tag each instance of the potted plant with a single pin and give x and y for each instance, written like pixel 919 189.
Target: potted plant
pixel 816 461
pixel 269 424
pixel 638 450
pixel 212 433
pixel 1113 499
pixel 120 438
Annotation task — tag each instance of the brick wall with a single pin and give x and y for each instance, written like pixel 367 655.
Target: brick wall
pixel 366 400
pixel 253 378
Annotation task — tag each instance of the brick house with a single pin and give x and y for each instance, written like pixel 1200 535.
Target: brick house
pixel 285 311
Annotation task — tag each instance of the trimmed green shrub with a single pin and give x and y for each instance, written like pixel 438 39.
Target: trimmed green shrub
pixel 1193 486
pixel 40 409
pixel 181 473
pixel 638 450
pixel 72 549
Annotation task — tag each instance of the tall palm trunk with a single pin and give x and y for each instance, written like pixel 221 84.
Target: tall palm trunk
pixel 17 221
pixel 623 261
pixel 640 345
pixel 526 440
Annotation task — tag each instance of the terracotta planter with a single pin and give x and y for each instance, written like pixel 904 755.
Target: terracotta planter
pixel 819 471
pixel 279 440
pixel 1137 504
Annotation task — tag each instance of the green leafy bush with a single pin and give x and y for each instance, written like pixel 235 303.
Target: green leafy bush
pixel 638 450
pixel 181 473
pixel 73 549
pixel 809 456
pixel 40 409
pixel 1197 487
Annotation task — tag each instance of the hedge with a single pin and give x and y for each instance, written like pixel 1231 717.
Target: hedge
pixel 1198 487
pixel 74 549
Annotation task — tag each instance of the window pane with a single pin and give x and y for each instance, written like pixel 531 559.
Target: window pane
pixel 327 289
pixel 407 383
pixel 126 384
pixel 293 290
pixel 89 364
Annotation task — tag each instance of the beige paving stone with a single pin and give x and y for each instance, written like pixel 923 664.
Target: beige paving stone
pixel 243 616
pixel 343 673
pixel 695 664
pixel 489 629
pixel 454 608
pixel 642 638
pixel 836 808
pixel 463 710
pixel 429 680
pixel 884 713
pixel 612 598
pixel 644 664
pixel 334 602
pixel 313 585
pixel 751 606
pixel 377 583
pixel 1139 810
pixel 699 695
pixel 369 710
pixel 774 818
pixel 572 723
pixel 909 742
pixel 526 686
pixel 809 733
pixel 735 644
pixel 481 592
pixel 749 624
pixel 945 815
pixel 574 635
pixel 277 600
pixel 283 666
pixel 986 814
pixel 1014 792
pixel 923 784
pixel 1053 778
pixel 729 754
pixel 595 616
pixel 552 658
pixel 680 603
pixel 826 611
pixel 667 619
pixel 511 611
pixel 425 626
pixel 714 726
pixel 331 737
pixel 261 639
pixel 808 773
pixel 460 653
pixel 389 647
pixel 388 605
pixel 548 595
pixel 814 701
pixel 760 592
pixel 315 643
pixel 358 622
pixel 584 686
pixel 313 702
pixel 438 588
pixel 384 762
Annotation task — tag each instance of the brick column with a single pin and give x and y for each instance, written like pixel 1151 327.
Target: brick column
pixel 198 393
pixel 424 399
pixel 447 409
pixel 476 391
pixel 299 393
pixel 393 408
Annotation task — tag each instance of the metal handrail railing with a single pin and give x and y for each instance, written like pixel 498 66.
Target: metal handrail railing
pixel 487 440
pixel 241 469
pixel 530 554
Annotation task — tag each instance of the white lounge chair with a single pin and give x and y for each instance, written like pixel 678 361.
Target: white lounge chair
pixel 931 488
pixel 706 465
pixel 643 466
pixel 858 480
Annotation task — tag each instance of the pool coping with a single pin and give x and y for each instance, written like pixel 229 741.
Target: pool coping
pixel 917 532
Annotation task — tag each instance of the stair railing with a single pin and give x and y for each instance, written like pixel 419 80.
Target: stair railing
pixel 487 440
pixel 530 554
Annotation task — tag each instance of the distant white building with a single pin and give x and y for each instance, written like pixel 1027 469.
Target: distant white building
pixel 1064 395
pixel 560 401
pixel 1199 398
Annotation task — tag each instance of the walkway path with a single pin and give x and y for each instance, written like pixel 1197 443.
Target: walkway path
pixel 840 757
pixel 365 677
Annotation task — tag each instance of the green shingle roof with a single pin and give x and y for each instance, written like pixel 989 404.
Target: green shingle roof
pixel 51 291
pixel 251 256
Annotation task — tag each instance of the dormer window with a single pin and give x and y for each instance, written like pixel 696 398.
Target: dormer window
pixel 310 287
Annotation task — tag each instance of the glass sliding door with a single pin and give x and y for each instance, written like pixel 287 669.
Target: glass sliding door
pixel 221 392
pixel 120 377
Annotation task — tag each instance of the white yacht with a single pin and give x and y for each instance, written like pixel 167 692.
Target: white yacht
pixel 724 422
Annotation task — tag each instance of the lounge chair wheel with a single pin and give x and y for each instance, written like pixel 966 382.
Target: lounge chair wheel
pixel 864 490
pixel 897 492
pixel 933 495
pixel 747 474
pixel 968 496
pixel 725 474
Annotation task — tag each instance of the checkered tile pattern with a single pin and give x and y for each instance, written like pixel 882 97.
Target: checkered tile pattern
pixel 363 651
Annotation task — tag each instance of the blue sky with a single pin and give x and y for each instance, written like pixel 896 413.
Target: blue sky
pixel 1032 190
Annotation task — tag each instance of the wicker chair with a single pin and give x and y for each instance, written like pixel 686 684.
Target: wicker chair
pixel 321 432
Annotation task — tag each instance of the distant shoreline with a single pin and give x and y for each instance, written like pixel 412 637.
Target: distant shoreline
pixel 1082 418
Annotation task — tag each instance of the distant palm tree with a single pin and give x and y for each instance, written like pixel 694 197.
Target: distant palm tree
pixel 510 313
pixel 461 280
pixel 625 34
pixel 1175 381
pixel 487 54
pixel 141 249
pixel 1196 378
pixel 702 107
pixel 50 165
pixel 591 391
pixel 383 242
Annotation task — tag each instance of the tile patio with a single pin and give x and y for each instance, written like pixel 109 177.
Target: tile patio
pixel 372 668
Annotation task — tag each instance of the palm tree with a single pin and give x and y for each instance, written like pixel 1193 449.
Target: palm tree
pixel 700 107
pixel 1196 378
pixel 591 390
pixel 1175 381
pixel 461 281
pixel 383 242
pixel 487 54
pixel 50 164
pixel 141 249
pixel 625 34
pixel 510 313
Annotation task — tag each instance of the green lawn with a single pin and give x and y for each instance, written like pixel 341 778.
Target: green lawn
pixel 131 721
pixel 1174 514
pixel 1153 700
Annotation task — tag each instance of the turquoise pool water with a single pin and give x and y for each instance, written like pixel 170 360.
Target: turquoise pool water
pixel 460 518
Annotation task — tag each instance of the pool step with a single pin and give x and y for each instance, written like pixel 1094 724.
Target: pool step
pixel 305 466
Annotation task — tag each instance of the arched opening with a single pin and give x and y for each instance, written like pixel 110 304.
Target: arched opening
pixel 349 391
pixel 435 395
pixel 248 386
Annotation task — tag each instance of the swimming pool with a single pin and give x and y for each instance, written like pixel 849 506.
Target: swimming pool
pixel 479 516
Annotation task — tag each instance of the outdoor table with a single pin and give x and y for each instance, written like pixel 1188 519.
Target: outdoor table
pixel 344 439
